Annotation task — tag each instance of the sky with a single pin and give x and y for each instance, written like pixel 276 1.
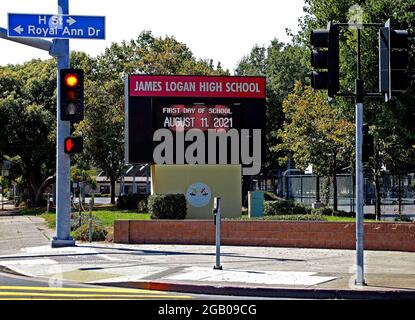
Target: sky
pixel 222 30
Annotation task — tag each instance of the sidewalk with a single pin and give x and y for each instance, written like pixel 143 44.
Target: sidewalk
pixel 247 271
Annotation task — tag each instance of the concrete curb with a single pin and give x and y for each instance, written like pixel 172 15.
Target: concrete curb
pixel 268 292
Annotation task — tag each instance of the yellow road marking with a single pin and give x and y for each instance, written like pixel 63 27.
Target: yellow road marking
pixel 37 294
pixel 107 298
pixel 115 290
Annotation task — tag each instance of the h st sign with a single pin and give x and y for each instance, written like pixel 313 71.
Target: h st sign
pixel 56 26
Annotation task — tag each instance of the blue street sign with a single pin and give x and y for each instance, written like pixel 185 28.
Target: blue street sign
pixel 56 26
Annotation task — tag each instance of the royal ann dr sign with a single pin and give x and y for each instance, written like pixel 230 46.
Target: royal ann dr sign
pixel 195 120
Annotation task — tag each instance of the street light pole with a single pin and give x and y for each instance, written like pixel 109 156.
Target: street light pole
pixel 359 97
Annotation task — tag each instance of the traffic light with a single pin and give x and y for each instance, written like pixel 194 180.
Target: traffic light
pixel 368 147
pixel 74 145
pixel 325 55
pixel 72 95
pixel 393 61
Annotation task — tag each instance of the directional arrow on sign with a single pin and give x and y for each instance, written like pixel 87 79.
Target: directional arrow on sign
pixel 19 29
pixel 71 21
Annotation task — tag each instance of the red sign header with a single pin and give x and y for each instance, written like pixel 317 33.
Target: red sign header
pixel 197 86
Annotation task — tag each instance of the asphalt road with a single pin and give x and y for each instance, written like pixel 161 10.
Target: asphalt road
pixel 15 287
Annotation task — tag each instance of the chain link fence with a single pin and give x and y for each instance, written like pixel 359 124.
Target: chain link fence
pixel 303 189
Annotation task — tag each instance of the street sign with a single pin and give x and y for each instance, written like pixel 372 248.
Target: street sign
pixel 56 26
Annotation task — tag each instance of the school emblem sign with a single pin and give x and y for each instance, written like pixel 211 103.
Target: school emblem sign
pixel 198 194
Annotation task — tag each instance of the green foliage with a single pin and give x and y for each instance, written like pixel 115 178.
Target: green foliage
pixel 403 218
pixel 294 217
pixel 270 196
pixel 316 133
pixel 167 206
pixel 284 207
pixel 77 220
pixel 99 233
pixel 324 211
pixel 81 175
pixel 130 201
pixel 142 206
pixel 282 64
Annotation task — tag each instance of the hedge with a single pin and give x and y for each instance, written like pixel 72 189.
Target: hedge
pixel 130 201
pixel 167 206
pixel 285 207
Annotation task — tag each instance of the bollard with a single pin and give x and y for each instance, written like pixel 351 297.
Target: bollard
pixel 216 212
pixel 90 221
pixel 48 204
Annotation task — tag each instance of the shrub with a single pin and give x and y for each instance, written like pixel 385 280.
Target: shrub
pixel 269 196
pixel 285 207
pixel 82 233
pixel 80 220
pixel 142 206
pixel 130 201
pixel 324 211
pixel 403 218
pixel 167 206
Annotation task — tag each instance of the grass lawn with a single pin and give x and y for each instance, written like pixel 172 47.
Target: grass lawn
pixel 107 215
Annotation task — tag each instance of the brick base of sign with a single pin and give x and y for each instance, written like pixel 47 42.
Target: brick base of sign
pixel 310 234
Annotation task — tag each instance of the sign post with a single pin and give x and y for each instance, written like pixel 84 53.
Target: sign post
pixel 63 160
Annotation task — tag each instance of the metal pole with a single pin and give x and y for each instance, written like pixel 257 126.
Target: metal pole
pixel 63 162
pixel 360 281
pixel 48 203
pixel 359 197
pixel 217 220
pixel 90 221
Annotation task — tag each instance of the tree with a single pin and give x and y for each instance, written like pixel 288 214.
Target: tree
pixel 282 65
pixel 29 136
pixel 27 113
pixel 316 133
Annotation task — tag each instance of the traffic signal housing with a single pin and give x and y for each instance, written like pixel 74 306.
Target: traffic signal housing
pixel 74 145
pixel 393 61
pixel 325 58
pixel 72 95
